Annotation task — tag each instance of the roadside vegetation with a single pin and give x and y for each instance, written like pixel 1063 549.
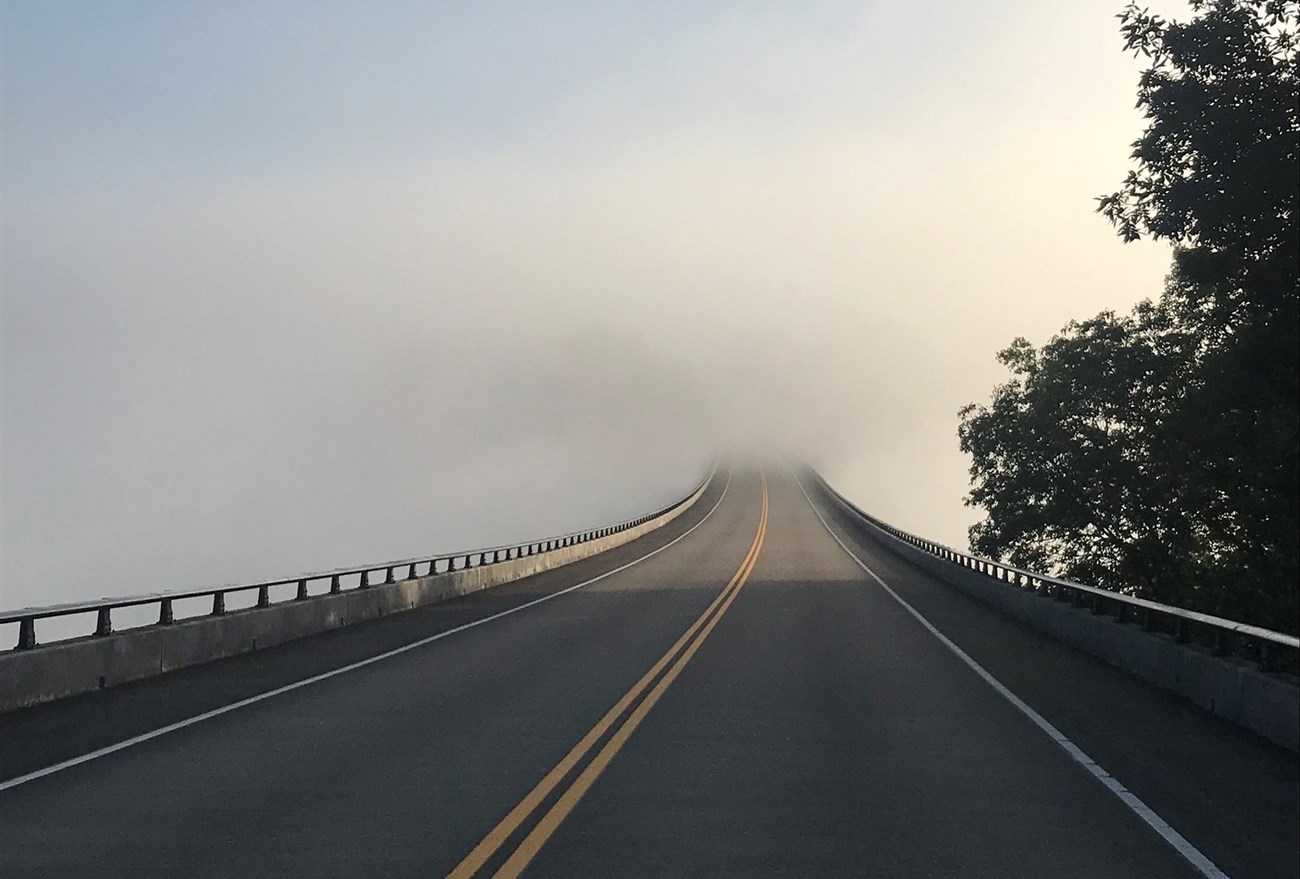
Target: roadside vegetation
pixel 1155 452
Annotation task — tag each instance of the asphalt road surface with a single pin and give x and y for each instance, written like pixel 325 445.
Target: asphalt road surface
pixel 742 698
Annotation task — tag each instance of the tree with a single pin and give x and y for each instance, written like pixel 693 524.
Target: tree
pixel 1219 173
pixel 1065 457
pixel 1219 161
pixel 1157 453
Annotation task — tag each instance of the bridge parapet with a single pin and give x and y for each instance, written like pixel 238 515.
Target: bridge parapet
pixel 32 672
pixel 1244 673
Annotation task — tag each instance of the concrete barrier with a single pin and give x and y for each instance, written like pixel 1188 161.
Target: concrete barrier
pixel 1234 689
pixel 64 668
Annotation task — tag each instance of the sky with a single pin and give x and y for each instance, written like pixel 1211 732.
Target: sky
pixel 300 285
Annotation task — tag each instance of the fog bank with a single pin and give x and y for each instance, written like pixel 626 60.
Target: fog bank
pixel 376 296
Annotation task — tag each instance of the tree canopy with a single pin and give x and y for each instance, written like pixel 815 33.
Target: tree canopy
pixel 1156 453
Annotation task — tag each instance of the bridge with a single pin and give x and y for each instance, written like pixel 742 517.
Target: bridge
pixel 760 680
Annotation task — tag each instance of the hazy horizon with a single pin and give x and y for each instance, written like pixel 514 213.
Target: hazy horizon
pixel 294 287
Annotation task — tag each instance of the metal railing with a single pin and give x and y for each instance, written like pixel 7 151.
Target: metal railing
pixel 1273 651
pixel 362 577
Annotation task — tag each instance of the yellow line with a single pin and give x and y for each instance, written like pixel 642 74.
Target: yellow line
pixel 551 821
pixel 509 824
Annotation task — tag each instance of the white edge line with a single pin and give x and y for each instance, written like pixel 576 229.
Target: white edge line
pixel 225 709
pixel 1203 865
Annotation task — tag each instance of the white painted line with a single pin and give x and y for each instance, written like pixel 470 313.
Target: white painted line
pixel 226 709
pixel 1203 865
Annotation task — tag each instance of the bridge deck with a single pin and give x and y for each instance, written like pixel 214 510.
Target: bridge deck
pixel 808 725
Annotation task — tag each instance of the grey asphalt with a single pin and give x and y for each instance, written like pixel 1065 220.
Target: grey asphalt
pixel 819 730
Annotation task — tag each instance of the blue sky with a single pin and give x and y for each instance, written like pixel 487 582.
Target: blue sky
pixel 116 93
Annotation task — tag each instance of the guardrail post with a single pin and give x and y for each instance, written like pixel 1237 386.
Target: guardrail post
pixel 365 580
pixel 263 596
pixel 302 591
pixel 165 614
pixel 104 622
pixel 410 573
pixel 451 564
pixel 26 634
pixel 336 585
pixel 389 577
pixel 218 603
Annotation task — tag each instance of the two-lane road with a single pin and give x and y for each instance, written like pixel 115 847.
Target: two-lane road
pixel 731 696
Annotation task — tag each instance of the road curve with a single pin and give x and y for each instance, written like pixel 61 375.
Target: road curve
pixel 732 695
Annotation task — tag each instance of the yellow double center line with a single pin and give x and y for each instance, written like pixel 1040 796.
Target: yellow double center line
pixel 683 650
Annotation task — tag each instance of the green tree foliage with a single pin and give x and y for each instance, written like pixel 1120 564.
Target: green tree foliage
pixel 1157 453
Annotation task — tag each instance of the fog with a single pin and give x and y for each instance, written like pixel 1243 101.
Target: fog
pixel 291 289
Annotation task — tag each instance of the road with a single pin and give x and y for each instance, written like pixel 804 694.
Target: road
pixel 732 695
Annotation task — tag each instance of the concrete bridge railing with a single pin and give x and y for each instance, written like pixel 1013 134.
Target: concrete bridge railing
pixel 1241 672
pixel 33 672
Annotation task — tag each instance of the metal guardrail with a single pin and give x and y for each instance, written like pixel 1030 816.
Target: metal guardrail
pixel 1273 651
pixel 444 563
